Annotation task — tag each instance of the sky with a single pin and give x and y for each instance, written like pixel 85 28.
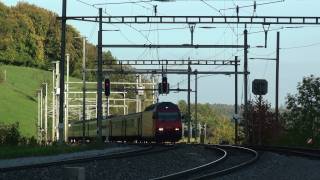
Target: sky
pixel 299 54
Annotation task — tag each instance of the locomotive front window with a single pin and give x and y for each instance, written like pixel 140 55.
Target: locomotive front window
pixel 168 116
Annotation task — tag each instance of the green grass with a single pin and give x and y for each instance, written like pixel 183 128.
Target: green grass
pixel 18 96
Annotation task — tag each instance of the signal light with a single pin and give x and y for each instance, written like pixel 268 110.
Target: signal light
pixel 164 85
pixel 107 87
pixel 260 87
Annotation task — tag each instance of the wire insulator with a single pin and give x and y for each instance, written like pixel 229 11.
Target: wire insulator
pixel 237 10
pixel 155 7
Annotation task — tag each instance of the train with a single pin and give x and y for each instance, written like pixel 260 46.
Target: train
pixel 160 122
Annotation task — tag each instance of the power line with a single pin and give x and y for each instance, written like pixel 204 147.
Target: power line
pixel 165 29
pixel 117 3
pixel 92 5
pixel 212 7
pixel 88 4
pixel 254 5
pixel 303 46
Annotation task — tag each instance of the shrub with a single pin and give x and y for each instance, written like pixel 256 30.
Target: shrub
pixel 13 135
pixel 1 76
pixel 9 134
pixel 32 141
pixel 2 133
pixel 260 122
pixel 23 141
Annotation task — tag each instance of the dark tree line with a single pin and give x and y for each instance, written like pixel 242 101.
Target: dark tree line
pixel 259 124
pixel 298 124
pixel 302 118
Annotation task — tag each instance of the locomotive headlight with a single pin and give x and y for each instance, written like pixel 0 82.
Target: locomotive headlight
pixel 176 129
pixel 160 129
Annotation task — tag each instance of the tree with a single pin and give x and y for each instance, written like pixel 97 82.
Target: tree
pixel 260 125
pixel 219 125
pixel 1 76
pixel 9 134
pixel 302 120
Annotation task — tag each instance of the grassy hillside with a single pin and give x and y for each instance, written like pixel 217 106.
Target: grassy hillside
pixel 30 36
pixel 18 96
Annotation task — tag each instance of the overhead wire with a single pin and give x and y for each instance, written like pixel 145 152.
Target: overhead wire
pixel 217 67
pixel 246 6
pixel 164 29
pixel 212 7
pixel 121 33
pixel 302 46
pixel 92 5
pixel 237 34
pixel 118 3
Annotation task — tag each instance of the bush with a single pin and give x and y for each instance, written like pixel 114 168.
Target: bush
pixel 23 141
pixel 1 76
pixel 260 122
pixel 32 141
pixel 13 136
pixel 9 134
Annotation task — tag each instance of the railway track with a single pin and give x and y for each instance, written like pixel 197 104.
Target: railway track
pixel 146 149
pixel 294 151
pixel 232 158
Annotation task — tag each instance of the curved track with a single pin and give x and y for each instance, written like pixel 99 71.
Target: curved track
pixel 149 149
pixel 232 158
pixel 295 151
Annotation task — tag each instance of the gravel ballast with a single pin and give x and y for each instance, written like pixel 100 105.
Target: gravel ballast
pixel 137 167
pixel 275 166
pixel 269 166
pixel 110 149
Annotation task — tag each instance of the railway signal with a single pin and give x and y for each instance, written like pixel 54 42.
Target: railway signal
pixel 163 87
pixel 260 87
pixel 107 87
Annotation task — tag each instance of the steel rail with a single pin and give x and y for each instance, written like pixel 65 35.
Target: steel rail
pixel 186 174
pixel 196 169
pixel 295 151
pixel 235 167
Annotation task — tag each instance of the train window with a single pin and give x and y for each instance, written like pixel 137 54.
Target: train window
pixel 168 116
